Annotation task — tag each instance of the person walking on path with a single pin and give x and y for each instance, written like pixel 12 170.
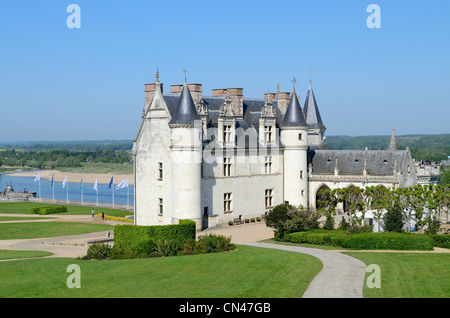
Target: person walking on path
pixel 103 215
pixel 93 212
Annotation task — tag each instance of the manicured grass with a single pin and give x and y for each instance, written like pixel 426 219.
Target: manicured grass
pixel 247 272
pixel 25 208
pixel 25 230
pixel 409 275
pixel 21 218
pixel 9 254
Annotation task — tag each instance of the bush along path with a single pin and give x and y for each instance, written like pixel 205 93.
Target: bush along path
pixel 342 276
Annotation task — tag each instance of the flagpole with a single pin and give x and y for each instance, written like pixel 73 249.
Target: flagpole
pixel 39 185
pixel 113 192
pixel 81 186
pixel 53 187
pixel 128 195
pixel 96 188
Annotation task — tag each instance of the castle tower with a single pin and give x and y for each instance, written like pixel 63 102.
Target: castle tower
pixel 393 144
pixel 313 119
pixel 186 157
pixel 294 138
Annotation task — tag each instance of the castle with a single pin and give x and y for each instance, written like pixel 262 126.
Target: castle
pixel 216 158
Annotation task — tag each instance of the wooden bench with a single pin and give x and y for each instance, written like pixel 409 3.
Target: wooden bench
pixel 238 221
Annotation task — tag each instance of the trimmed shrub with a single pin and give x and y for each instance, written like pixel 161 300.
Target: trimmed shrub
pixel 98 251
pixel 49 210
pixel 441 240
pixel 129 236
pixel 365 241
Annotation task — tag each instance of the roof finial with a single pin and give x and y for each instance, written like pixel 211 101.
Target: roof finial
pixel 157 76
pixel 310 79
pixel 294 81
pixel 278 87
pixel 185 71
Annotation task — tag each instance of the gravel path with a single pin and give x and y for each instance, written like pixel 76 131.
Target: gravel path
pixel 342 276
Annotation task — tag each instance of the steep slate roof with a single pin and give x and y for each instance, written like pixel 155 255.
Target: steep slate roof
pixel 351 162
pixel 312 115
pixel 393 144
pixel 186 112
pixel 294 115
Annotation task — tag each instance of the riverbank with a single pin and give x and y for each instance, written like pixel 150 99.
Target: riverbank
pixel 75 177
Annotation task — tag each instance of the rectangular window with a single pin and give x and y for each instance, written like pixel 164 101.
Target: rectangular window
pixel 227 166
pixel 301 174
pixel 227 133
pixel 269 198
pixel 268 133
pixel 227 202
pixel 160 206
pixel 160 171
pixel 303 193
pixel 268 165
pixel 300 136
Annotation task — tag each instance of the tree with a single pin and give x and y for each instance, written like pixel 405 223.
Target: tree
pixel 276 218
pixel 379 199
pixel 393 219
pixel 288 219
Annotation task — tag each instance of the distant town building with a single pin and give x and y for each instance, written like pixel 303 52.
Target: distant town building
pixel 9 194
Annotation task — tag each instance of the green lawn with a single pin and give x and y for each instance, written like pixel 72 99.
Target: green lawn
pixel 25 208
pixel 28 230
pixel 7 254
pixel 409 275
pixel 247 272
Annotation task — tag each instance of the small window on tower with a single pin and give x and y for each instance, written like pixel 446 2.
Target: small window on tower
pixel 160 205
pixel 300 136
pixel 160 170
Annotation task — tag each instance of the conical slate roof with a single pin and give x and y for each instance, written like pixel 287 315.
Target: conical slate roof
pixel 393 144
pixel 312 115
pixel 294 114
pixel 186 112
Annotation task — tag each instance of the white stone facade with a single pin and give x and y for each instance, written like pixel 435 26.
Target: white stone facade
pixel 244 164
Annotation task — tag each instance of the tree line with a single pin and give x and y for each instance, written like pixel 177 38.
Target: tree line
pixel 62 157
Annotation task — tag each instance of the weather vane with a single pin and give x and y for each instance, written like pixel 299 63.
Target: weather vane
pixel 294 81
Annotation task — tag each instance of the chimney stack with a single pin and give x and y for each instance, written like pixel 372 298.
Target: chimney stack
pixel 176 89
pixel 219 92
pixel 237 97
pixel 196 92
pixel 272 96
pixel 283 101
pixel 149 90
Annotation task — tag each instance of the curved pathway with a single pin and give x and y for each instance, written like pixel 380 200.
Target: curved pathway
pixel 342 276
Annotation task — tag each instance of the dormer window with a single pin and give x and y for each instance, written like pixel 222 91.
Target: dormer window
pixel 227 133
pixel 268 133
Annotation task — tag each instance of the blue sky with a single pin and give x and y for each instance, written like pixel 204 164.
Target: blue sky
pixel 58 83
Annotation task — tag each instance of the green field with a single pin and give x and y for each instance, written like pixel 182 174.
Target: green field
pixel 25 208
pixel 409 275
pixel 29 230
pixel 248 272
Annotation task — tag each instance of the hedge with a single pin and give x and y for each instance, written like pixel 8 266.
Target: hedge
pixel 129 236
pixel 441 240
pixel 364 241
pixel 49 210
